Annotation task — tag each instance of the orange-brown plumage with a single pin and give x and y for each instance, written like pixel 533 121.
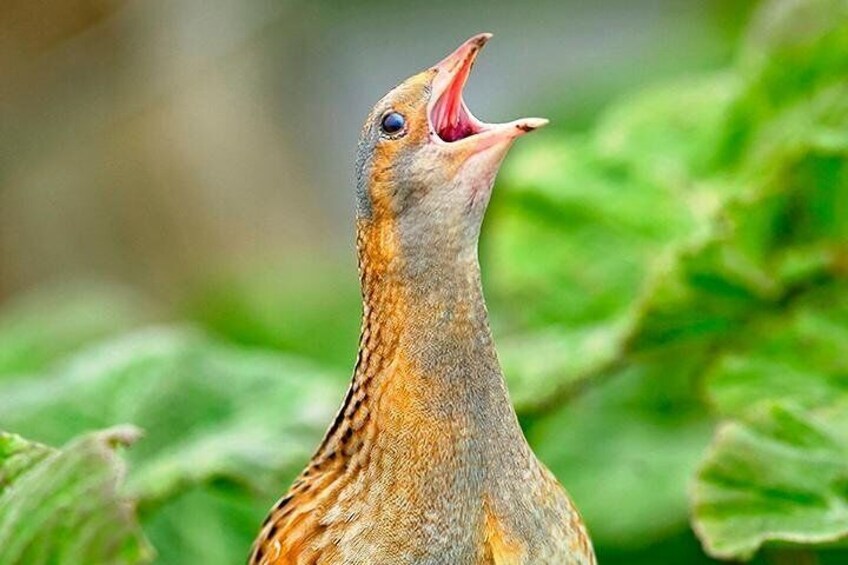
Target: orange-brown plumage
pixel 425 462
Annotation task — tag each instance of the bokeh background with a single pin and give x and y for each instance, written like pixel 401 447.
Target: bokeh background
pixel 157 142
pixel 665 263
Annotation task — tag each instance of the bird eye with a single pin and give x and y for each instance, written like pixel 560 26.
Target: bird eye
pixel 392 123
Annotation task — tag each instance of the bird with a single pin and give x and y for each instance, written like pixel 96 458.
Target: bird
pixel 425 462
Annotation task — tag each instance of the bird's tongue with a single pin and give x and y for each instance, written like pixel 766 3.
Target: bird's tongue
pixel 450 119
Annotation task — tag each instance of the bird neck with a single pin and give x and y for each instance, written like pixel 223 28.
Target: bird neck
pixel 423 305
pixel 426 357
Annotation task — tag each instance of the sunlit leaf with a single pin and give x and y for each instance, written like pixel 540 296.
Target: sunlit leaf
pixel 65 506
pixel 779 475
pixel 17 456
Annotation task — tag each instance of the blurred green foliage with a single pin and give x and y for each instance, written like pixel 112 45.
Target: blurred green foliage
pixel 669 293
pixel 224 428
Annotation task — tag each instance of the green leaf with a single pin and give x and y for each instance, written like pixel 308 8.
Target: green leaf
pixel 779 475
pixel 65 506
pixel 17 456
pixel 217 419
pixel 779 472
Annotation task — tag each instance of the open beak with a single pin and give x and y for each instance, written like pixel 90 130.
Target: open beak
pixel 450 119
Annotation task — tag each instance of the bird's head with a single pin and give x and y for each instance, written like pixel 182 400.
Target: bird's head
pixel 426 165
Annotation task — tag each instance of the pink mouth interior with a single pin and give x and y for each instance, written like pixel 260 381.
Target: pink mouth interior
pixel 449 116
pixel 451 121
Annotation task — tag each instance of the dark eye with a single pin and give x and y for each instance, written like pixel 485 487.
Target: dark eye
pixel 393 122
